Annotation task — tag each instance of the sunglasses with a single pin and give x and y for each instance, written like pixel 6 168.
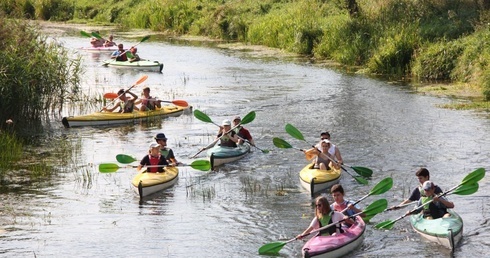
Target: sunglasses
pixel 318 205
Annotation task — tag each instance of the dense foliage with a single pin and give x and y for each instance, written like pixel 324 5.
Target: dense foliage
pixel 420 39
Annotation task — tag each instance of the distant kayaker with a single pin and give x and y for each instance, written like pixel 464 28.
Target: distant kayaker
pixel 120 53
pixel 230 139
pixel 435 209
pixel 110 42
pixel 125 104
pixel 340 204
pixel 423 176
pixel 324 216
pixel 242 132
pixel 97 42
pixel 135 57
pixel 324 159
pixel 333 149
pixel 154 161
pixel 147 101
pixel 165 151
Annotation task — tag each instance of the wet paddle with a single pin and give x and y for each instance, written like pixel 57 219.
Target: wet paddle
pixel 205 118
pixel 139 81
pixel 280 143
pixel 246 119
pixel 85 34
pixel 373 209
pixel 177 102
pixel 468 186
pixel 382 187
pixel 203 165
pixel 295 133
pixel 125 159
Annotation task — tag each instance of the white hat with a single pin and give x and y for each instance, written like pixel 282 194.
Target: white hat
pixel 427 185
pixel 226 122
pixel 237 118
pixel 154 145
pixel 325 141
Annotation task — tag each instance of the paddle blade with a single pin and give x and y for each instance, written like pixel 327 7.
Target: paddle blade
pixel 271 248
pixel 366 172
pixel 248 118
pixel 382 187
pixel 203 165
pixel 376 207
pixel 385 224
pixel 145 38
pixel 467 189
pixel 95 34
pixel 85 34
pixel 129 54
pixel 108 168
pixel 125 159
pixel 311 153
pixel 110 95
pixel 201 116
pixel 180 103
pixel 141 80
pixel 474 176
pixel 361 180
pixel 280 143
pixel 295 133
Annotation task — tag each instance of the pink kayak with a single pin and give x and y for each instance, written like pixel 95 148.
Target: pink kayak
pixel 337 245
pixel 99 49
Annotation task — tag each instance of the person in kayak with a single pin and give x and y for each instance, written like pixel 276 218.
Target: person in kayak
pixel 110 42
pixel 147 101
pixel 340 204
pixel 125 104
pixel 134 57
pixel 242 132
pixel 333 149
pixel 423 175
pixel 435 209
pixel 165 151
pixel 230 138
pixel 119 54
pixel 324 216
pixel 154 161
pixel 97 42
pixel 322 160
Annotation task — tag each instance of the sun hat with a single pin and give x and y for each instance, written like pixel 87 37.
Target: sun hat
pixel 154 145
pixel 427 185
pixel 326 141
pixel 237 118
pixel 160 136
pixel 226 122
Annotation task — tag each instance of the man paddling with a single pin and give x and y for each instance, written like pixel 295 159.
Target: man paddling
pixel 242 132
pixel 437 205
pixel 166 151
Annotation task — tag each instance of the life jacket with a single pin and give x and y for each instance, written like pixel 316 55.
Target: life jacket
pixel 326 220
pixel 149 104
pixel 126 106
pixel 343 206
pixel 153 162
pixel 432 209
pixel 121 56
pixel 225 141
pixel 164 152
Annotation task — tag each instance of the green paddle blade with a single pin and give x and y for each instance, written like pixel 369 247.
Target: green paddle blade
pixel 95 34
pixel 365 172
pixel 474 176
pixel 376 207
pixel 108 168
pixel 295 133
pixel 201 116
pixel 466 189
pixel 388 224
pixel 125 159
pixel 271 248
pixel 203 165
pixel 280 143
pixel 85 34
pixel 129 55
pixel 382 187
pixel 248 118
pixel 145 38
pixel 360 180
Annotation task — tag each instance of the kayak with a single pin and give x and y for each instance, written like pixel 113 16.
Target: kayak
pixel 337 245
pixel 445 231
pixel 220 155
pixel 153 66
pixel 145 183
pixel 99 49
pixel 111 118
pixel 316 180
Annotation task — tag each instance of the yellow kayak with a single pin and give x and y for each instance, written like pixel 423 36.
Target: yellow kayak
pixel 145 183
pixel 110 118
pixel 316 180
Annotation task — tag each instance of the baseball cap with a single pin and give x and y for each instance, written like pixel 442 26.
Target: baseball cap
pixel 154 145
pixel 226 122
pixel 427 185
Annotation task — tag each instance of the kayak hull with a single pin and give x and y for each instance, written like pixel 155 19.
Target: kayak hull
pixel 317 180
pixel 99 49
pixel 153 66
pixel 112 118
pixel 444 231
pixel 220 155
pixel 337 245
pixel 145 183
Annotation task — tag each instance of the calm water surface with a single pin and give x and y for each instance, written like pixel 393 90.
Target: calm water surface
pixel 242 206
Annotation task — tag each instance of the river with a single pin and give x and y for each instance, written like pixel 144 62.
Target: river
pixel 233 211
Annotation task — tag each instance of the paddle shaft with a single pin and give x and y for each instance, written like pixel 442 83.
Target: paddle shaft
pixel 399 206
pixel 216 140
pixel 141 80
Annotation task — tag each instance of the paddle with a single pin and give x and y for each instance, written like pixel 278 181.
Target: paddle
pixel 373 209
pixel 203 165
pixel 95 34
pixel 280 143
pixel 205 118
pixel 382 187
pixel 177 102
pixel 85 34
pixel 246 119
pixel 295 133
pixel 125 159
pixel 399 206
pixel 468 186
pixel 139 81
